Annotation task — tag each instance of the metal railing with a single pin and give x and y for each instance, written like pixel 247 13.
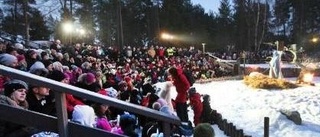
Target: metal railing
pixel 60 124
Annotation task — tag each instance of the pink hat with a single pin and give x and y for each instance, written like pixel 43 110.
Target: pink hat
pixel 20 57
pixel 90 78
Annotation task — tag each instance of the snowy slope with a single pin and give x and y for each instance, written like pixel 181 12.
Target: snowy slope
pixel 247 107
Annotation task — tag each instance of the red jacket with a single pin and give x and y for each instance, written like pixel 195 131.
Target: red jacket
pixel 161 52
pixel 71 102
pixel 197 107
pixel 182 86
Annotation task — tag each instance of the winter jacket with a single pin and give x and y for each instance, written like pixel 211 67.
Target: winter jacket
pixel 207 113
pixel 71 102
pixel 9 129
pixel 196 104
pixel 45 105
pixel 3 79
pixel 161 52
pixel 103 123
pixel 182 85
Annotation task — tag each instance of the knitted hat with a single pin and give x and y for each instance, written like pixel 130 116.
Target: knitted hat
pixel 56 75
pixel 203 129
pixel 74 67
pixel 7 59
pixel 111 92
pixel 18 46
pixel 192 90
pixel 84 115
pixel 13 85
pixel 36 65
pixel 90 78
pixel 127 120
pixel 67 75
pixel 20 57
pixel 156 105
pixel 57 66
pixel 38 69
pixel 40 72
pixel 85 65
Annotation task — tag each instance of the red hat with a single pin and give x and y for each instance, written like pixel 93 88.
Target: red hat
pixel 20 57
pixel 127 79
pixel 102 92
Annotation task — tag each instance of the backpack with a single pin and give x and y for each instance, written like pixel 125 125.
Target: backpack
pixel 189 77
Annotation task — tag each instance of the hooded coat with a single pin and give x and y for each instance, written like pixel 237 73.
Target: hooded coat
pixel 182 85
pixel 196 104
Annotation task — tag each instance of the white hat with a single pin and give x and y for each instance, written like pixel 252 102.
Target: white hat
pixel 7 59
pixel 18 46
pixel 84 115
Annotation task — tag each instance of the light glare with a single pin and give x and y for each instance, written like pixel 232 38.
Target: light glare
pixel 68 27
pixel 308 77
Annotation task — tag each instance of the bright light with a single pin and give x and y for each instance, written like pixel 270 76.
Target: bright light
pixel 314 40
pixel 308 77
pixel 81 31
pixel 166 36
pixel 68 27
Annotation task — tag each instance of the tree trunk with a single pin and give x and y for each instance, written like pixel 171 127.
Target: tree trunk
pixel 25 14
pixel 15 17
pixel 71 7
pixel 256 27
pixel 264 24
pixel 120 29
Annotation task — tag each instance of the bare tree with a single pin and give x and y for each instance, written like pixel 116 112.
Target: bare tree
pixel 27 25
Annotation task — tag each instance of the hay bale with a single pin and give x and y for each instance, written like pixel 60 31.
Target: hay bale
pixel 264 82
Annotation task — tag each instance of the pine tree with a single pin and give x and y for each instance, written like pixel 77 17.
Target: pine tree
pixel 23 19
pixel 85 13
pixel 225 37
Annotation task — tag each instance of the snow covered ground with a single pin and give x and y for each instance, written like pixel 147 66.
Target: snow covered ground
pixel 246 107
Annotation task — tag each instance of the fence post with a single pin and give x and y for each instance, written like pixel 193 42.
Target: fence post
pixel 225 126
pixel 62 114
pixel 233 131
pixel 266 127
pixel 219 121
pixel 240 133
pixel 230 126
pixel 166 129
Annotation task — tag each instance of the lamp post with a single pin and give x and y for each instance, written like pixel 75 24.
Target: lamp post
pixel 203 47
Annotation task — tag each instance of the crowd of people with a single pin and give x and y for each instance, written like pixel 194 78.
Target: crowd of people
pixel 127 74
